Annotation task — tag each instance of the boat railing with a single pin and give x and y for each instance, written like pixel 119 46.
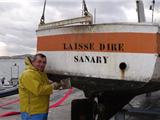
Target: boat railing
pixel 83 20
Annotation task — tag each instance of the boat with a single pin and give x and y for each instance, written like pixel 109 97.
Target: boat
pixel 8 89
pixel 110 62
pixel 12 90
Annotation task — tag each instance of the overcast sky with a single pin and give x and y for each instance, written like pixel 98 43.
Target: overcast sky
pixel 20 18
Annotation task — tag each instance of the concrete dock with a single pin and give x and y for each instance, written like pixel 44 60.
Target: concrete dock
pixel 63 111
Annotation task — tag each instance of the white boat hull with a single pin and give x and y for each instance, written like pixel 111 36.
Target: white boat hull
pixel 97 51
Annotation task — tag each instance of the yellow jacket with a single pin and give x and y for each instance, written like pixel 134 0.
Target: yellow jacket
pixel 34 90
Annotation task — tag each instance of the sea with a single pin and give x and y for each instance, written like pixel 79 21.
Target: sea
pixel 11 68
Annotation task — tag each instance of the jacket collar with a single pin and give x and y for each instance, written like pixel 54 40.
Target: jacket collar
pixel 28 64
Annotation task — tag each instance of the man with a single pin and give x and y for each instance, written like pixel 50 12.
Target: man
pixel 35 89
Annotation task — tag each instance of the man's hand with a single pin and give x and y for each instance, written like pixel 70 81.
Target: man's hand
pixel 56 85
pixel 65 83
pixel 50 81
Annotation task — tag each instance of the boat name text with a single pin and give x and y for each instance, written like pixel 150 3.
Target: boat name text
pixel 91 59
pixel 114 47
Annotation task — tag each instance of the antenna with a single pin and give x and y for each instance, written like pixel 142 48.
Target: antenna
pixel 152 8
pixel 95 15
pixel 42 20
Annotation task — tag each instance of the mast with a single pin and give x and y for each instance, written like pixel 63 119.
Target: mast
pixel 140 11
pixel 42 20
pixel 84 9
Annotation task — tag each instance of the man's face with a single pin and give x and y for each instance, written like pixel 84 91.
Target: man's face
pixel 39 63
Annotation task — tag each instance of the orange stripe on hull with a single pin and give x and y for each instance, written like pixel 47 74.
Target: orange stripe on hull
pixel 100 42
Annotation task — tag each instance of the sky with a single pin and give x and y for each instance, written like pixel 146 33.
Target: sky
pixel 20 18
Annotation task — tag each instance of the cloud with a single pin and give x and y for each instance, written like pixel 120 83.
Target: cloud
pixel 8 6
pixel 3 50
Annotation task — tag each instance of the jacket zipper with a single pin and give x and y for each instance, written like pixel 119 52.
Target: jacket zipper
pixel 29 103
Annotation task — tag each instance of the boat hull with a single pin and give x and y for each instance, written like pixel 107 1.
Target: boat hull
pixel 99 50
pixel 103 54
pixel 110 62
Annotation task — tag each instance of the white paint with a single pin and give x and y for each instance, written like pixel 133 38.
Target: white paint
pixel 101 28
pixel 140 66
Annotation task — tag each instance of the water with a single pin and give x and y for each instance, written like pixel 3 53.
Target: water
pixel 11 68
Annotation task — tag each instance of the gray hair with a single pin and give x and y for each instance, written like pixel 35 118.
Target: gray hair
pixel 34 57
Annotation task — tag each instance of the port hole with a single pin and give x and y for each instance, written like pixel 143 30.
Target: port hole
pixel 122 65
